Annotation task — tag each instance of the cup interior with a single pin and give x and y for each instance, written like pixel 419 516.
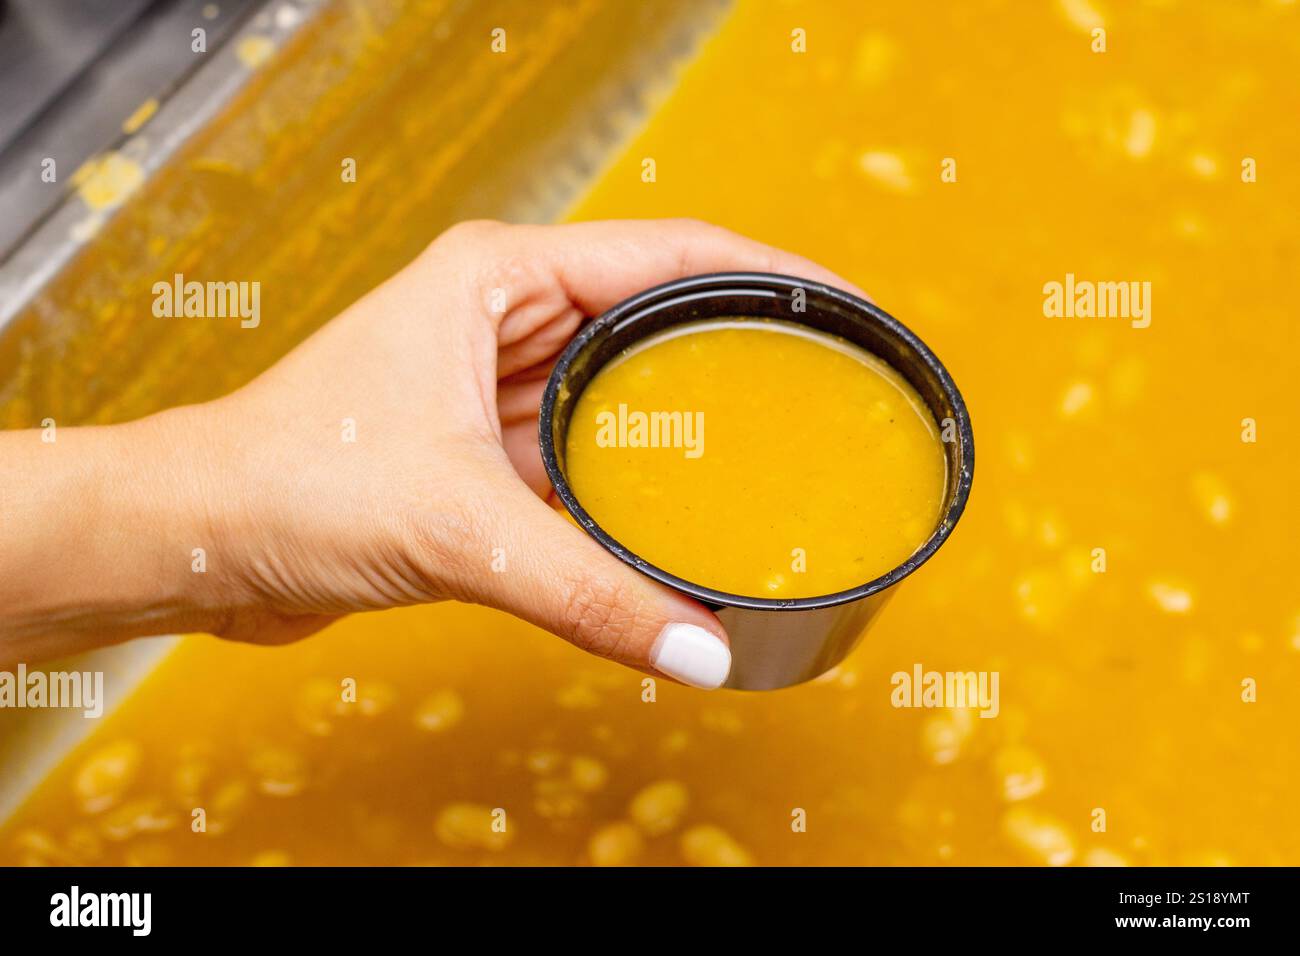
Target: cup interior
pixel 759 295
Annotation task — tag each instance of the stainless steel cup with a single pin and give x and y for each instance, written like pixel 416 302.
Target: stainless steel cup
pixel 774 643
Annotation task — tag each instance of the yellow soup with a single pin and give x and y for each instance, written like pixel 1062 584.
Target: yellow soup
pixel 757 457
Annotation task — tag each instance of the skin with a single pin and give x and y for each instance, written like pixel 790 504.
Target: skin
pixel 299 527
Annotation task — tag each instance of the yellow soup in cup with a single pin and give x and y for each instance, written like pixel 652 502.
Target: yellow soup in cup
pixel 757 457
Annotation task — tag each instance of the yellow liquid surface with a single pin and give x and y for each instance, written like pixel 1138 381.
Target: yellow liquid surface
pixel 794 465
pixel 1148 710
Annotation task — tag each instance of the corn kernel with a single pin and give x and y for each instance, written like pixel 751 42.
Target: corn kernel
pixel 615 844
pixel 658 808
pixel 1020 771
pixel 107 774
pixel 707 845
pixel 440 711
pixel 147 815
pixel 588 774
pixel 471 825
pixel 1038 836
pixel 280 772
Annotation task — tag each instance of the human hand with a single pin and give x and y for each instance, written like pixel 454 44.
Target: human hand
pixel 392 457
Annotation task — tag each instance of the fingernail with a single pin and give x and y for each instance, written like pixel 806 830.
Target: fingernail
pixel 692 655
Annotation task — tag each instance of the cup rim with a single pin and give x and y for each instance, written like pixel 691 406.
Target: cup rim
pixel 732 282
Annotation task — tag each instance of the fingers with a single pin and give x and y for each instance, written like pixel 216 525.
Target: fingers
pixel 550 573
pixel 598 264
pixel 602 263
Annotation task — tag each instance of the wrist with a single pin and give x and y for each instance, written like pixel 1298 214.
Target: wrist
pixel 101 530
pixel 172 502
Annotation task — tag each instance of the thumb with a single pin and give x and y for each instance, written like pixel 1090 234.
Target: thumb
pixel 550 573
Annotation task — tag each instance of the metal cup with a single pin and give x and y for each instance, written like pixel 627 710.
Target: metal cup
pixel 774 643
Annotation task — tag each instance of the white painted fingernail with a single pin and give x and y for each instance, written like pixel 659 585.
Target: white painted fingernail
pixel 692 655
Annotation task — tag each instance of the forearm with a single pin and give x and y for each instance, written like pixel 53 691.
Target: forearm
pixel 98 534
